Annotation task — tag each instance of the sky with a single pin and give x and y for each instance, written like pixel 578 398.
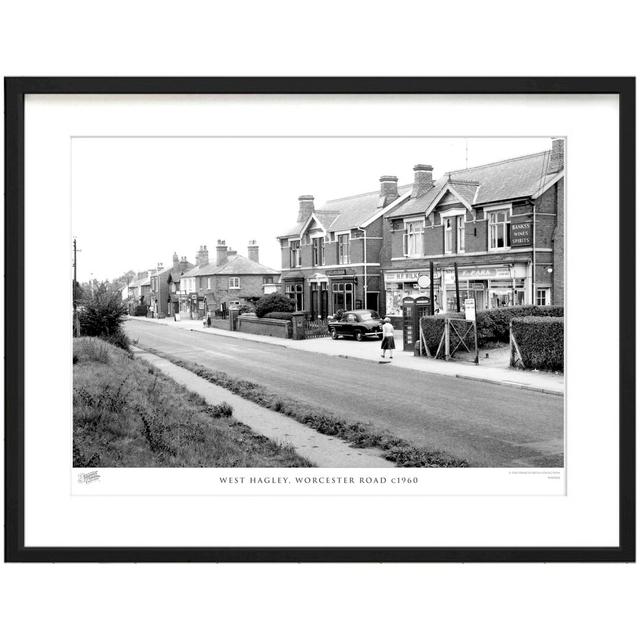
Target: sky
pixel 137 200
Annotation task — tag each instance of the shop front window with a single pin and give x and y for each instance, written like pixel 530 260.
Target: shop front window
pixel 499 229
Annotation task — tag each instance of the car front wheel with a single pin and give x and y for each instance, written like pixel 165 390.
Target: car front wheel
pixel 334 334
pixel 358 336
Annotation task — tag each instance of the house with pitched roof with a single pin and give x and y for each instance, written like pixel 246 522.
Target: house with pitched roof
pixel 165 287
pixel 501 225
pixel 331 258
pixel 231 280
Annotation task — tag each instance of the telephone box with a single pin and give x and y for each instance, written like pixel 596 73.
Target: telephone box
pixel 412 310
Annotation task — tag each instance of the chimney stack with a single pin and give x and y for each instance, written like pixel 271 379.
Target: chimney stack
pixel 422 180
pixel 253 252
pixel 184 264
pixel 202 257
pixel 176 260
pixel 556 161
pixel 388 190
pixel 306 207
pixel 221 253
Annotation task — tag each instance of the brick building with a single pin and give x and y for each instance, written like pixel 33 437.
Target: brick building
pixel 231 280
pixel 502 224
pixel 165 284
pixel 331 258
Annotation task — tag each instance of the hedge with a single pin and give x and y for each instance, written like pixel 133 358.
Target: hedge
pixel 433 327
pixel 141 310
pixel 540 341
pixel 493 324
pixel 279 315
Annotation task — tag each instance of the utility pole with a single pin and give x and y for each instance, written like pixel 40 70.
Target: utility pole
pixel 75 272
pixel 364 231
pixel 455 268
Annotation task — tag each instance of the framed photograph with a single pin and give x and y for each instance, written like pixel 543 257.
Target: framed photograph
pixel 320 319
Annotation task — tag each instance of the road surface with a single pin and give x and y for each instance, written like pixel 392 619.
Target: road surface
pixel 486 424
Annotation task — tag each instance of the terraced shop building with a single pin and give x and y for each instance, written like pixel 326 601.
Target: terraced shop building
pixel 331 257
pixel 502 224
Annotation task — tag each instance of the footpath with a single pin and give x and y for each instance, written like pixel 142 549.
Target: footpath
pixel 493 370
pixel 319 449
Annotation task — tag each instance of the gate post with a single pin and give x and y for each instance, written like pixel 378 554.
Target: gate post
pixel 446 339
pixel 297 322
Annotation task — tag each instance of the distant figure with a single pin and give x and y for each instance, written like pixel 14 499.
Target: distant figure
pixel 209 320
pixel 388 342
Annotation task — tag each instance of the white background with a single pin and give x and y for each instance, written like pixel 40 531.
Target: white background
pixel 369 38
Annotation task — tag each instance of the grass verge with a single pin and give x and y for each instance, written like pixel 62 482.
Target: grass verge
pixel 395 449
pixel 128 414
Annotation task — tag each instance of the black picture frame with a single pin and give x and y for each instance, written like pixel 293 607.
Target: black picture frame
pixel 15 91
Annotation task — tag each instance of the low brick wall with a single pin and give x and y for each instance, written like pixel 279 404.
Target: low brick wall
pixel 265 326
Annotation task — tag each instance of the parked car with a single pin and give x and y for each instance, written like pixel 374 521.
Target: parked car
pixel 361 324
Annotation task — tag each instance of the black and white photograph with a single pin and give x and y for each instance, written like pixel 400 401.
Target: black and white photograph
pixel 365 302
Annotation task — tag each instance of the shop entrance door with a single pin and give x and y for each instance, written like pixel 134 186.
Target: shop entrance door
pixel 372 301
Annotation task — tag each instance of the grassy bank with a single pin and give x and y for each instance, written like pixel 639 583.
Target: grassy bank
pixel 127 414
pixel 395 449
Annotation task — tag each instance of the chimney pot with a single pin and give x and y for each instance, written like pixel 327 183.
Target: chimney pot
pixel 388 190
pixel 556 160
pixel 305 207
pixel 423 179
pixel 253 251
pixel 221 253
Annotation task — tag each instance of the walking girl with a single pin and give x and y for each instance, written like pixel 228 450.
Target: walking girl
pixel 388 343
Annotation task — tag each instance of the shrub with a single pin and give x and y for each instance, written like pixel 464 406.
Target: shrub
pixel 493 324
pixel 102 312
pixel 274 302
pixel 119 339
pixel 540 341
pixel 246 307
pixel 141 310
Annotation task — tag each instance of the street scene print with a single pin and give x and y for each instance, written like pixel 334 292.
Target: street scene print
pixel 318 302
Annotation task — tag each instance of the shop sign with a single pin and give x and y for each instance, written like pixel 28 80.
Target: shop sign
pixel 336 272
pixel 472 273
pixel 403 275
pixel 470 309
pixel 521 234
pixel 424 282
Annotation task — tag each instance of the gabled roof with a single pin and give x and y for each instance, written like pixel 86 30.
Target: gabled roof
pixel 236 266
pixel 521 177
pixel 343 214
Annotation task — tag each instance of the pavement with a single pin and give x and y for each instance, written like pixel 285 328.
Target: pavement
pixel 493 365
pixel 319 449
pixel 488 425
